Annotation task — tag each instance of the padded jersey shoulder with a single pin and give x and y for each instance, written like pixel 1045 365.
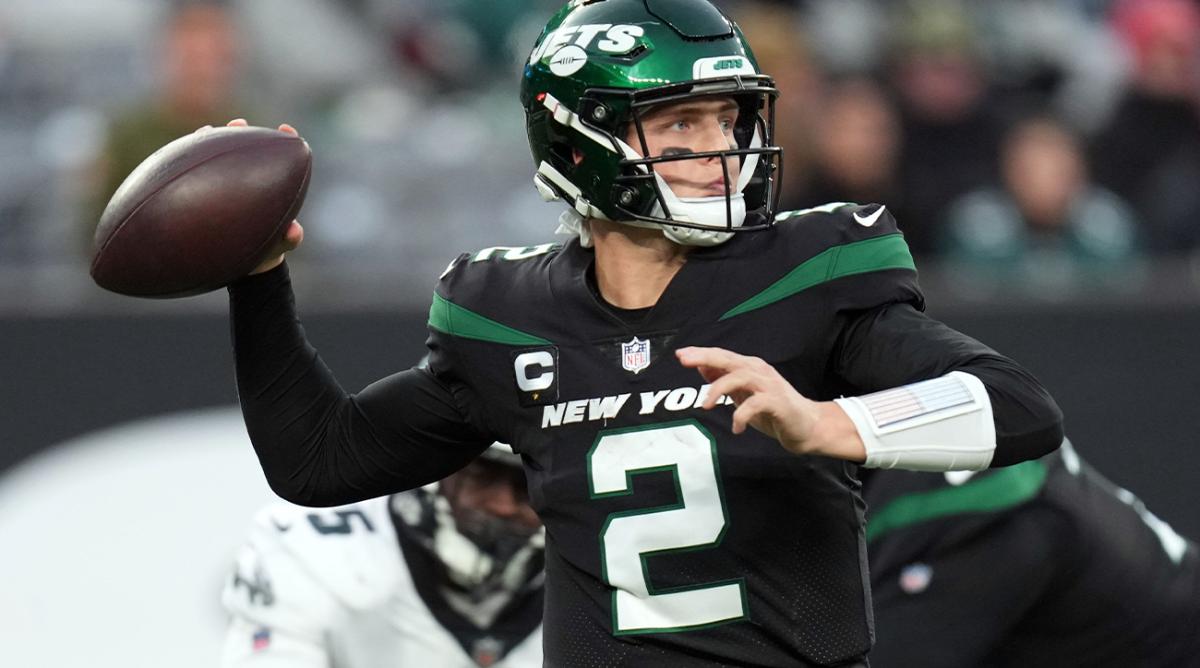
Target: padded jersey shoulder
pixel 836 224
pixel 855 255
pixel 349 552
pixel 489 275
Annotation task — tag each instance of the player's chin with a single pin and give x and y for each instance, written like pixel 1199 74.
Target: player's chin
pixel 710 191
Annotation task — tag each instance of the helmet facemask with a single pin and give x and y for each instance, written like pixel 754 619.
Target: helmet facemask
pixel 639 194
pixel 750 168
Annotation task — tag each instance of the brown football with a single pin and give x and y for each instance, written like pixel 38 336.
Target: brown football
pixel 200 212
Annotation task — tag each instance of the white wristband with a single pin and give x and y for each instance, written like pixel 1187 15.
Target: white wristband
pixel 943 424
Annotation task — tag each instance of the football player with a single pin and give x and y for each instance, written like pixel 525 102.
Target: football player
pixel 627 364
pixel 1045 563
pixel 444 575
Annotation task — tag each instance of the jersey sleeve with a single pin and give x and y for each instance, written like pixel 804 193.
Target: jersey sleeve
pixel 884 340
pixel 894 345
pixel 252 645
pixel 855 255
pixel 319 445
pixel 280 613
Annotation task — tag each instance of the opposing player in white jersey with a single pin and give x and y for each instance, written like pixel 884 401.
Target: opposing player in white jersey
pixel 446 575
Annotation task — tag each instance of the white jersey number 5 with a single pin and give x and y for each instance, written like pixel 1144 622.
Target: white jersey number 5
pixel 697 521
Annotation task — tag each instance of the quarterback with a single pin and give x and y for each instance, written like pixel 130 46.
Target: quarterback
pixel 692 380
pixel 445 575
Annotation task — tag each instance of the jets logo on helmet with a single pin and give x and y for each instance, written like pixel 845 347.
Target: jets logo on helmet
pixel 599 67
pixel 617 39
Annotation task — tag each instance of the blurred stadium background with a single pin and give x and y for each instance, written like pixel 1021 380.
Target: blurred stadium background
pixel 1043 157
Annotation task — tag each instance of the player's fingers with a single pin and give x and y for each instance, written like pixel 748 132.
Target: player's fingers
pixel 715 358
pixel 709 374
pixel 285 127
pixel 740 384
pixel 294 235
pixel 747 411
pixel 237 123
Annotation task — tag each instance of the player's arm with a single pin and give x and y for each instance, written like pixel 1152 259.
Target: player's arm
pixel 980 408
pixel 975 408
pixel 317 444
pixel 280 615
pixel 249 644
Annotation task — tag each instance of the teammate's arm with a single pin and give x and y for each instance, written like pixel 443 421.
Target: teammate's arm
pixel 320 446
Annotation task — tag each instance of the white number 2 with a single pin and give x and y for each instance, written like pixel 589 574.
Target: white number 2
pixel 696 521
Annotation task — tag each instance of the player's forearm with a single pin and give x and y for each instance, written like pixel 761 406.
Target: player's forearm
pixel 319 446
pixel 289 399
pixel 897 346
pixel 1028 422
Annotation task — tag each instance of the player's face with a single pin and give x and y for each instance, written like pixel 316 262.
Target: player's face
pixel 490 489
pixel 691 126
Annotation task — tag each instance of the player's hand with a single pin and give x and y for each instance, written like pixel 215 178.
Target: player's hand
pixel 766 401
pixel 293 236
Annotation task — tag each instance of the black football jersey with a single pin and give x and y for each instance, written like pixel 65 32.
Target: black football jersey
pixel 670 541
pixel 668 536
pixel 1045 563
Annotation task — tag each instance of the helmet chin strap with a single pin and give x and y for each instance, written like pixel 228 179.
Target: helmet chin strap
pixel 708 211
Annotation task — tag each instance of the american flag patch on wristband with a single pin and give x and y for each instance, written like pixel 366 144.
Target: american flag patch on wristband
pixel 918 400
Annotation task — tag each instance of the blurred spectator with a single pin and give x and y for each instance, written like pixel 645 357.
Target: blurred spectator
pixel 783 53
pixel 857 146
pixel 1054 54
pixel 1045 225
pixel 949 126
pixel 1150 151
pixel 199 63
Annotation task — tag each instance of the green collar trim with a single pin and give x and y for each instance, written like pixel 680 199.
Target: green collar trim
pixel 446 316
pixel 998 490
pixel 858 257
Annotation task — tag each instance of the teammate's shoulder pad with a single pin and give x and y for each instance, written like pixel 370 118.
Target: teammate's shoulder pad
pixel 350 550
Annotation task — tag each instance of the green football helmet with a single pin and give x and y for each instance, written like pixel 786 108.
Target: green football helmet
pixel 598 67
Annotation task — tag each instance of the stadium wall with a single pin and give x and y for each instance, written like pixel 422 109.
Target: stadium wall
pixel 1128 378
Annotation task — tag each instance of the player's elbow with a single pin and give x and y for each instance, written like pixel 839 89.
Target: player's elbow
pixel 1037 433
pixel 305 495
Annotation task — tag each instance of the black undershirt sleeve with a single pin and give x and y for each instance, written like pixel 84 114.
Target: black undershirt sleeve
pixel 896 345
pixel 318 445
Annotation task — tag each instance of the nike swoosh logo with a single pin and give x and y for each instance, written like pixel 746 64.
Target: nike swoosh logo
pixel 868 221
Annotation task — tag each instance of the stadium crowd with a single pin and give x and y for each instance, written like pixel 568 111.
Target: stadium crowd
pixel 1043 143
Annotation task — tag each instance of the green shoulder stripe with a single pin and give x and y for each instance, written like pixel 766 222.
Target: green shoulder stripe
pixel 999 490
pixel 858 257
pixel 448 317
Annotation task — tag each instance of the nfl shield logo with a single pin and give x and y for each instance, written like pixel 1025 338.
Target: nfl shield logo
pixel 915 578
pixel 486 651
pixel 635 355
